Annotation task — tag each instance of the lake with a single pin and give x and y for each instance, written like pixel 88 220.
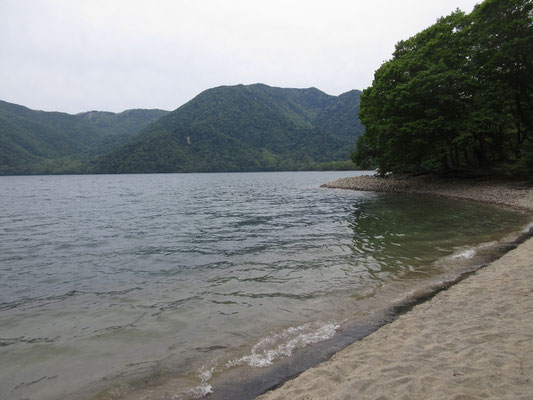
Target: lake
pixel 131 286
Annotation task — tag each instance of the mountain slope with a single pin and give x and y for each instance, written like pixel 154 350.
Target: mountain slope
pixel 52 142
pixel 243 128
pixel 123 123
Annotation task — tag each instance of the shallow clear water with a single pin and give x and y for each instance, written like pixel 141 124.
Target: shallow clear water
pixel 128 281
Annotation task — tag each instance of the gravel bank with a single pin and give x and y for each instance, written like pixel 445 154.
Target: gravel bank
pixel 513 194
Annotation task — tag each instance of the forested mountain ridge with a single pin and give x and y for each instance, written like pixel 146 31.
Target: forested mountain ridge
pixel 457 96
pixel 243 128
pixel 125 122
pixel 53 142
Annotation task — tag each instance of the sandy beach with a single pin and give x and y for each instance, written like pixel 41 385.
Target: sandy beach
pixel 471 341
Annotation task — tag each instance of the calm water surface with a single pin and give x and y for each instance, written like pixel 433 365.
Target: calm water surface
pixel 116 284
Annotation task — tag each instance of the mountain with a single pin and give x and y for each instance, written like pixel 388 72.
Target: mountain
pixel 227 128
pixel 123 123
pixel 52 142
pixel 243 128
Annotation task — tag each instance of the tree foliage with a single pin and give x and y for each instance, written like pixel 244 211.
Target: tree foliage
pixel 457 95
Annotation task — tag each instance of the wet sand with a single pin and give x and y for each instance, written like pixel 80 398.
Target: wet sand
pixel 472 341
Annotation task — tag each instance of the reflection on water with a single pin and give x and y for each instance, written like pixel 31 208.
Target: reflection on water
pixel 395 234
pixel 176 278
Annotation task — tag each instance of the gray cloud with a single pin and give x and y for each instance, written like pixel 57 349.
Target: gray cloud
pixel 112 55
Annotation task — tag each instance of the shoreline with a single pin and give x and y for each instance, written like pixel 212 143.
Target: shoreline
pixel 517 195
pixel 445 347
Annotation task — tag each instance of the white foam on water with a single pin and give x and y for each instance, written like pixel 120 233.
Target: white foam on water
pixel 282 344
pixel 195 393
pixel 473 251
pixel 468 253
pixel 206 374
pixel 528 228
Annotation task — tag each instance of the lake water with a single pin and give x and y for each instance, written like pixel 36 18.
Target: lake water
pixel 156 286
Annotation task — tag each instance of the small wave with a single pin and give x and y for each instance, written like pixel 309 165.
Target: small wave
pixel 29 301
pixel 471 252
pixel 528 228
pixel 201 390
pixel 282 344
pixel 170 305
pixel 195 393
pixel 263 354
pixel 26 384
pixel 10 341
pixel 118 292
pixel 468 253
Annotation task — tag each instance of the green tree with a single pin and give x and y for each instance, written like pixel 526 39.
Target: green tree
pixel 501 34
pixel 412 110
pixel 456 95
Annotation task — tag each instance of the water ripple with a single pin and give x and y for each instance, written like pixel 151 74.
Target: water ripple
pixel 107 277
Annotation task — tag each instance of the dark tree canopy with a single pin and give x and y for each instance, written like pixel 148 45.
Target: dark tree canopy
pixel 458 95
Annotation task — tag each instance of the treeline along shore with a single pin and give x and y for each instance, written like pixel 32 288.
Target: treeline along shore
pixel 455 97
pixel 472 341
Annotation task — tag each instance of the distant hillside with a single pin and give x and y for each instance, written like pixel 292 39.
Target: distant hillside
pixel 228 128
pixel 53 142
pixel 244 128
pixel 122 123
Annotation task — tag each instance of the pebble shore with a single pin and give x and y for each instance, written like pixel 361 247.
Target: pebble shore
pixel 512 194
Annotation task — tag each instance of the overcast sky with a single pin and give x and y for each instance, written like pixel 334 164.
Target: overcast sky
pixel 80 55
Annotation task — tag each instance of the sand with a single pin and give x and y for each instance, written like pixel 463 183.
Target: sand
pixel 472 341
